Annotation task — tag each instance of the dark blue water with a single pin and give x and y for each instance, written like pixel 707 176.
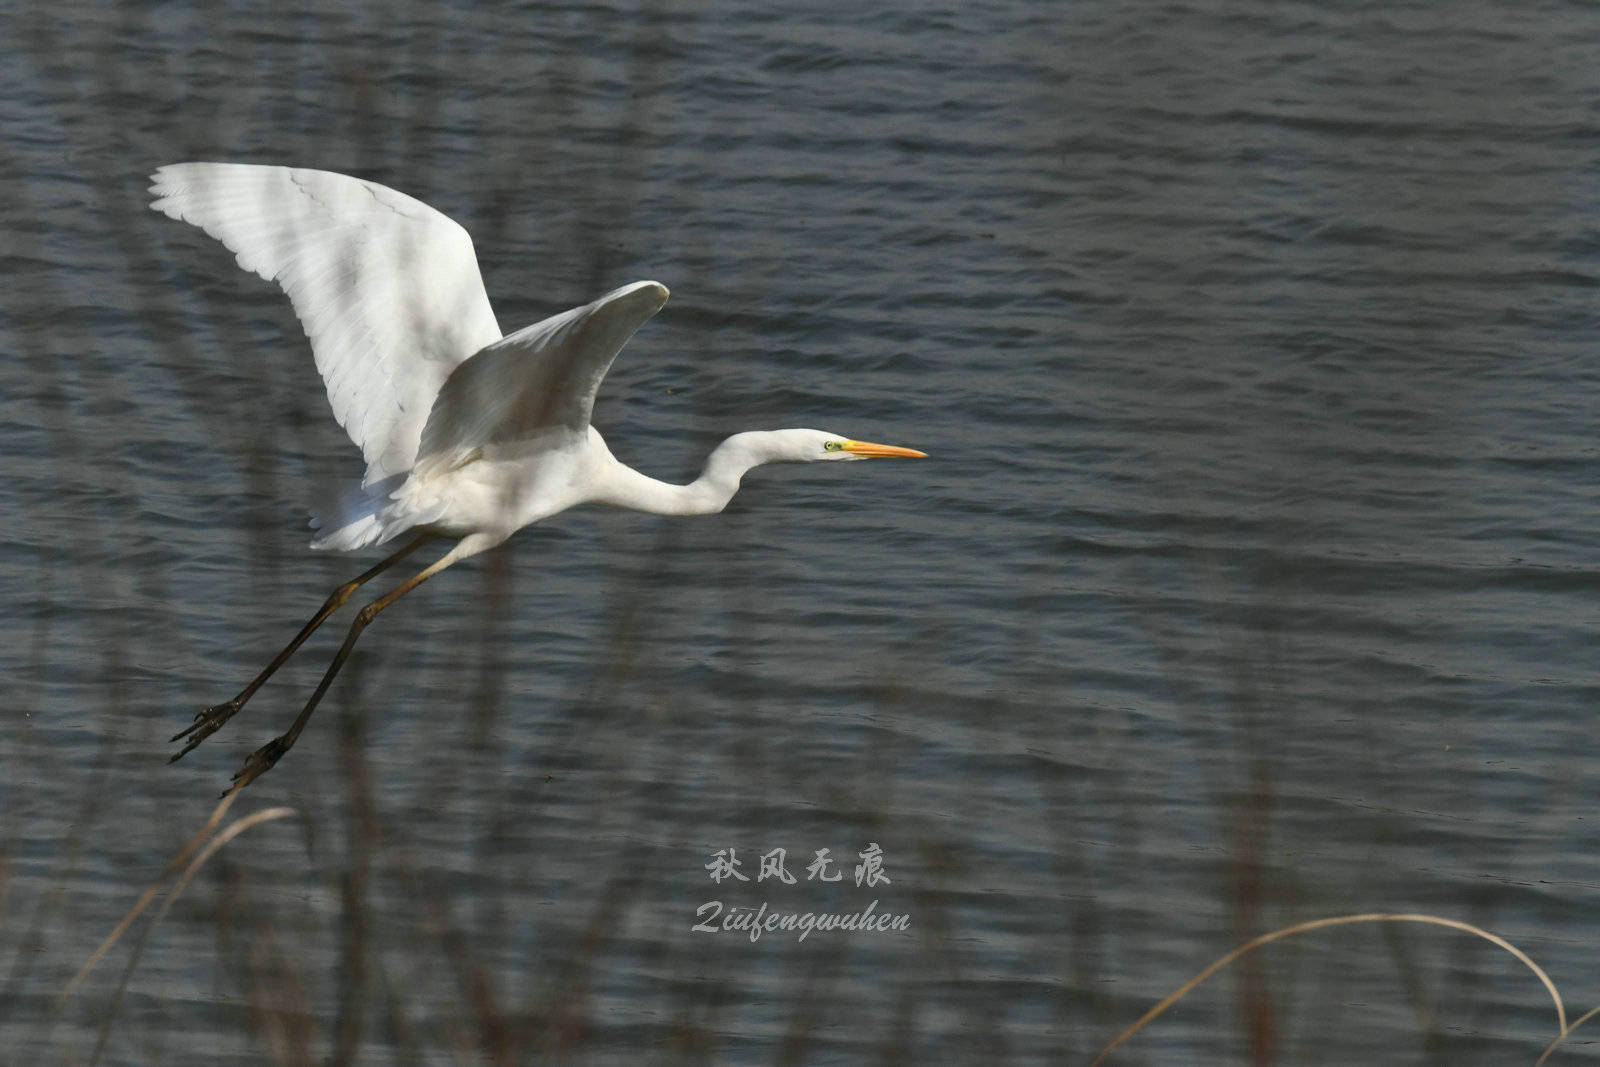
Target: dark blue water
pixel 1251 580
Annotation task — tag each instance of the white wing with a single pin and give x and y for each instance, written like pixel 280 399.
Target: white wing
pixel 387 288
pixel 539 379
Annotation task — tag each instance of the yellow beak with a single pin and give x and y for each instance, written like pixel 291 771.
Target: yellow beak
pixel 867 448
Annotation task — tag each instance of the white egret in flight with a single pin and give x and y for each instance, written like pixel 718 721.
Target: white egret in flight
pixel 466 433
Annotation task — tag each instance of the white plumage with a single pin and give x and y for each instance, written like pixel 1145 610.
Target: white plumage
pixel 466 434
pixel 387 289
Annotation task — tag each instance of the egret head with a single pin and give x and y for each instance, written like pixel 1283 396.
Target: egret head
pixel 820 445
pixel 754 447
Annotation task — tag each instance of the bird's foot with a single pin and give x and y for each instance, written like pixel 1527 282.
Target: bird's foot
pixel 205 724
pixel 259 762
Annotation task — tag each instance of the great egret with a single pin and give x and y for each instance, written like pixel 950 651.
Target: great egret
pixel 466 433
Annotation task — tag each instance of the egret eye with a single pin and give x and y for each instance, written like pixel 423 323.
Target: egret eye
pixel 832 446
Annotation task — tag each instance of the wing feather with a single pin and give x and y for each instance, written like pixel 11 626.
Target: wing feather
pixel 387 289
pixel 538 380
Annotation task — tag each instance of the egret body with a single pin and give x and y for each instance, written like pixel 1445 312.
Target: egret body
pixel 467 434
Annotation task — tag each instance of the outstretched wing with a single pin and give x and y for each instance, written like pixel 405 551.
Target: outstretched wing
pixel 387 288
pixel 537 380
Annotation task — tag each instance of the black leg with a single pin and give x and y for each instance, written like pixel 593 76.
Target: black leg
pixel 262 759
pixel 210 720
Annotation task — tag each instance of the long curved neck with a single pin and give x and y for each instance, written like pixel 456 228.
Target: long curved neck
pixel 706 495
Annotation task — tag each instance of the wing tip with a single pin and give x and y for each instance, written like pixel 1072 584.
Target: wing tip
pixel 168 184
pixel 162 182
pixel 655 288
pixel 651 294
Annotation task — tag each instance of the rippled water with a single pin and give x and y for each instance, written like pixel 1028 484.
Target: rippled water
pixel 1250 581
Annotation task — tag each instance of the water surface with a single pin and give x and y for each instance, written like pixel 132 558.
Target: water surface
pixel 1250 581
